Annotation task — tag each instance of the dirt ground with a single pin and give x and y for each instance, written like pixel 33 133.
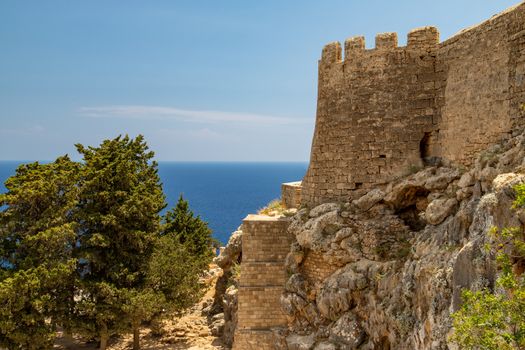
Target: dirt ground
pixel 189 332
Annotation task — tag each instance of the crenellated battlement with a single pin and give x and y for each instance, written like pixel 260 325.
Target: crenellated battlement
pixel 385 110
pixel 421 39
pixel 385 41
pixel 381 113
pixel 354 46
pixel 331 53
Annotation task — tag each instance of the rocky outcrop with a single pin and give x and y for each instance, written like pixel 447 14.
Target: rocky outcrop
pixel 385 270
pixel 222 313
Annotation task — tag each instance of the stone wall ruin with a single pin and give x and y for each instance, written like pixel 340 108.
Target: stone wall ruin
pixel 386 111
pixel 380 113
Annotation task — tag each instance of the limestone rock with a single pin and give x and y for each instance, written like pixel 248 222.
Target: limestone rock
pixel 324 345
pixel 323 208
pixel 300 342
pixel 335 296
pixel 370 199
pixel 230 314
pixel 217 325
pixel 486 176
pixel 384 271
pixel 294 258
pixel 505 182
pixel 231 252
pixel 439 209
pixel 472 270
pixel 314 234
pixel 440 181
pixel 464 193
pixel 466 180
pixel 348 331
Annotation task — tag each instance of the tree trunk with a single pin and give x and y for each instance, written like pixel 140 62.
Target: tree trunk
pixel 104 337
pixel 68 336
pixel 136 335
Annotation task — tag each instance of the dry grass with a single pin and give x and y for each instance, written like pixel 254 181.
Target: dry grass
pixel 274 208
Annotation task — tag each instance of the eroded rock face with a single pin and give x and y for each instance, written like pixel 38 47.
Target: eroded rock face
pixel 230 254
pixel 439 209
pixel 385 270
pixel 222 313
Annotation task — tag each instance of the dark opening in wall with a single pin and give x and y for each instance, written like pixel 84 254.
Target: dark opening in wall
pixel 358 185
pixel 425 150
pixel 382 156
pixel 424 146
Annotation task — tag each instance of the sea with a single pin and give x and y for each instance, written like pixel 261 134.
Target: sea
pixel 221 193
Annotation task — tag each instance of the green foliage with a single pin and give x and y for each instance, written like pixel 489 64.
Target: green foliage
pixel 83 246
pixel 190 231
pixel 29 302
pixel 174 271
pixel 520 196
pixel 118 211
pixel 496 319
pixel 37 264
pixel 490 321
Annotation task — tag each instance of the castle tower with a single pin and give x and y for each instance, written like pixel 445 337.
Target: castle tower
pixel 376 113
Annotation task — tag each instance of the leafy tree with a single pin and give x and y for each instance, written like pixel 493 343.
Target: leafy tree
pixel 189 230
pixel 120 198
pixel 175 272
pixel 37 266
pixel 82 246
pixel 496 319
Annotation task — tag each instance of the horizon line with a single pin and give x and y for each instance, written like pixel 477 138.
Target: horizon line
pixel 176 161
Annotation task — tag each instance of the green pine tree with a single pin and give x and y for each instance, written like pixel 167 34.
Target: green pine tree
pixel 37 263
pixel 120 198
pixel 175 272
pixel 191 231
pixel 82 247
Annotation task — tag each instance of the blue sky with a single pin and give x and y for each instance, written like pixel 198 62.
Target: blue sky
pixel 202 80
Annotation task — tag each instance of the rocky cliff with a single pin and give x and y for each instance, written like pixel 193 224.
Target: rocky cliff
pixel 415 153
pixel 385 270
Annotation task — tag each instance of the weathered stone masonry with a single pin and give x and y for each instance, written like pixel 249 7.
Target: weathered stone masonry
pixel 383 111
pixel 265 244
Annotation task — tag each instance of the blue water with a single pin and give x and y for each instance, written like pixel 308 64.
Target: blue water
pixel 221 193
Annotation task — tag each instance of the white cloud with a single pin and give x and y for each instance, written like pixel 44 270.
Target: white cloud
pixel 24 131
pixel 195 116
pixel 200 134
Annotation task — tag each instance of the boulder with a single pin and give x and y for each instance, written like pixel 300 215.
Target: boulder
pixel 439 209
pixel 231 252
pixel 335 296
pixel 405 194
pixel 300 342
pixel 370 199
pixel 317 233
pixel 443 177
pixel 347 331
pixel 466 180
pixel 323 208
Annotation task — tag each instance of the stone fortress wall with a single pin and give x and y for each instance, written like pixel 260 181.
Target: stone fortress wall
pixel 265 244
pixel 383 111
pixel 379 113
